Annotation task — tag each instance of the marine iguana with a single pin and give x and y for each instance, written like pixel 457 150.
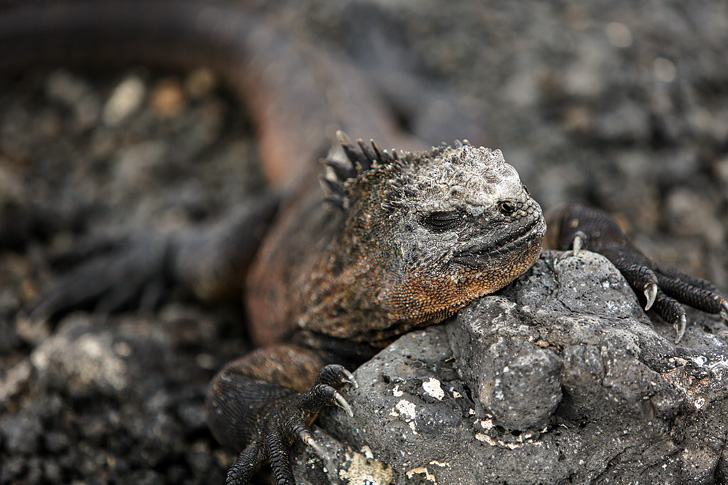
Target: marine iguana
pixel 404 239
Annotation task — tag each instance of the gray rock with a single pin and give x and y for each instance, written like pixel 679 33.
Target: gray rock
pixel 514 379
pixel 559 378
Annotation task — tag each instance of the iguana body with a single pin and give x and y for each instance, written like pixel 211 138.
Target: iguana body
pixel 404 239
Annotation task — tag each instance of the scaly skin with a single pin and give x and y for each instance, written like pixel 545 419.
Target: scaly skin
pixel 403 240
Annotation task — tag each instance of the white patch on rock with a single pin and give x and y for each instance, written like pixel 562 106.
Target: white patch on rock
pixel 407 411
pixel 432 388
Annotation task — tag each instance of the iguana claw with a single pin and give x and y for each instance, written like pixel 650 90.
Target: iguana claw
pixel 579 242
pixel 680 326
pixel 307 438
pixel 650 295
pixel 341 402
pixel 349 377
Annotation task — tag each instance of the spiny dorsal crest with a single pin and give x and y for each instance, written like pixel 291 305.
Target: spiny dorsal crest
pixel 363 161
pixel 360 159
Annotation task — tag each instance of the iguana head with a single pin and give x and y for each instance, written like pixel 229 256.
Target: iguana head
pixel 434 229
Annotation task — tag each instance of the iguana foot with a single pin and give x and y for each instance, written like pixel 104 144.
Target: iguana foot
pixel 659 287
pixel 278 423
pixel 116 272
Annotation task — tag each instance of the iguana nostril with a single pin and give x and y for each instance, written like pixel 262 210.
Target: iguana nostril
pixel 506 207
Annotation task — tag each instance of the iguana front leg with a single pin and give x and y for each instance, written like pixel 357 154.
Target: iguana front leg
pixel 265 401
pixel 660 287
pixel 208 260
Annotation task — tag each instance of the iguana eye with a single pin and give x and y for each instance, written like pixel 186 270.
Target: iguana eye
pixel 442 221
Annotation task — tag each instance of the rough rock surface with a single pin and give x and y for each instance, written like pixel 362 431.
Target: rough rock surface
pixel 564 380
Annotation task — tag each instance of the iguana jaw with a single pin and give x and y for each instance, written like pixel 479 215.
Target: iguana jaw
pixel 481 253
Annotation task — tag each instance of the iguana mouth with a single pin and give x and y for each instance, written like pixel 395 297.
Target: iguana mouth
pixel 475 255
